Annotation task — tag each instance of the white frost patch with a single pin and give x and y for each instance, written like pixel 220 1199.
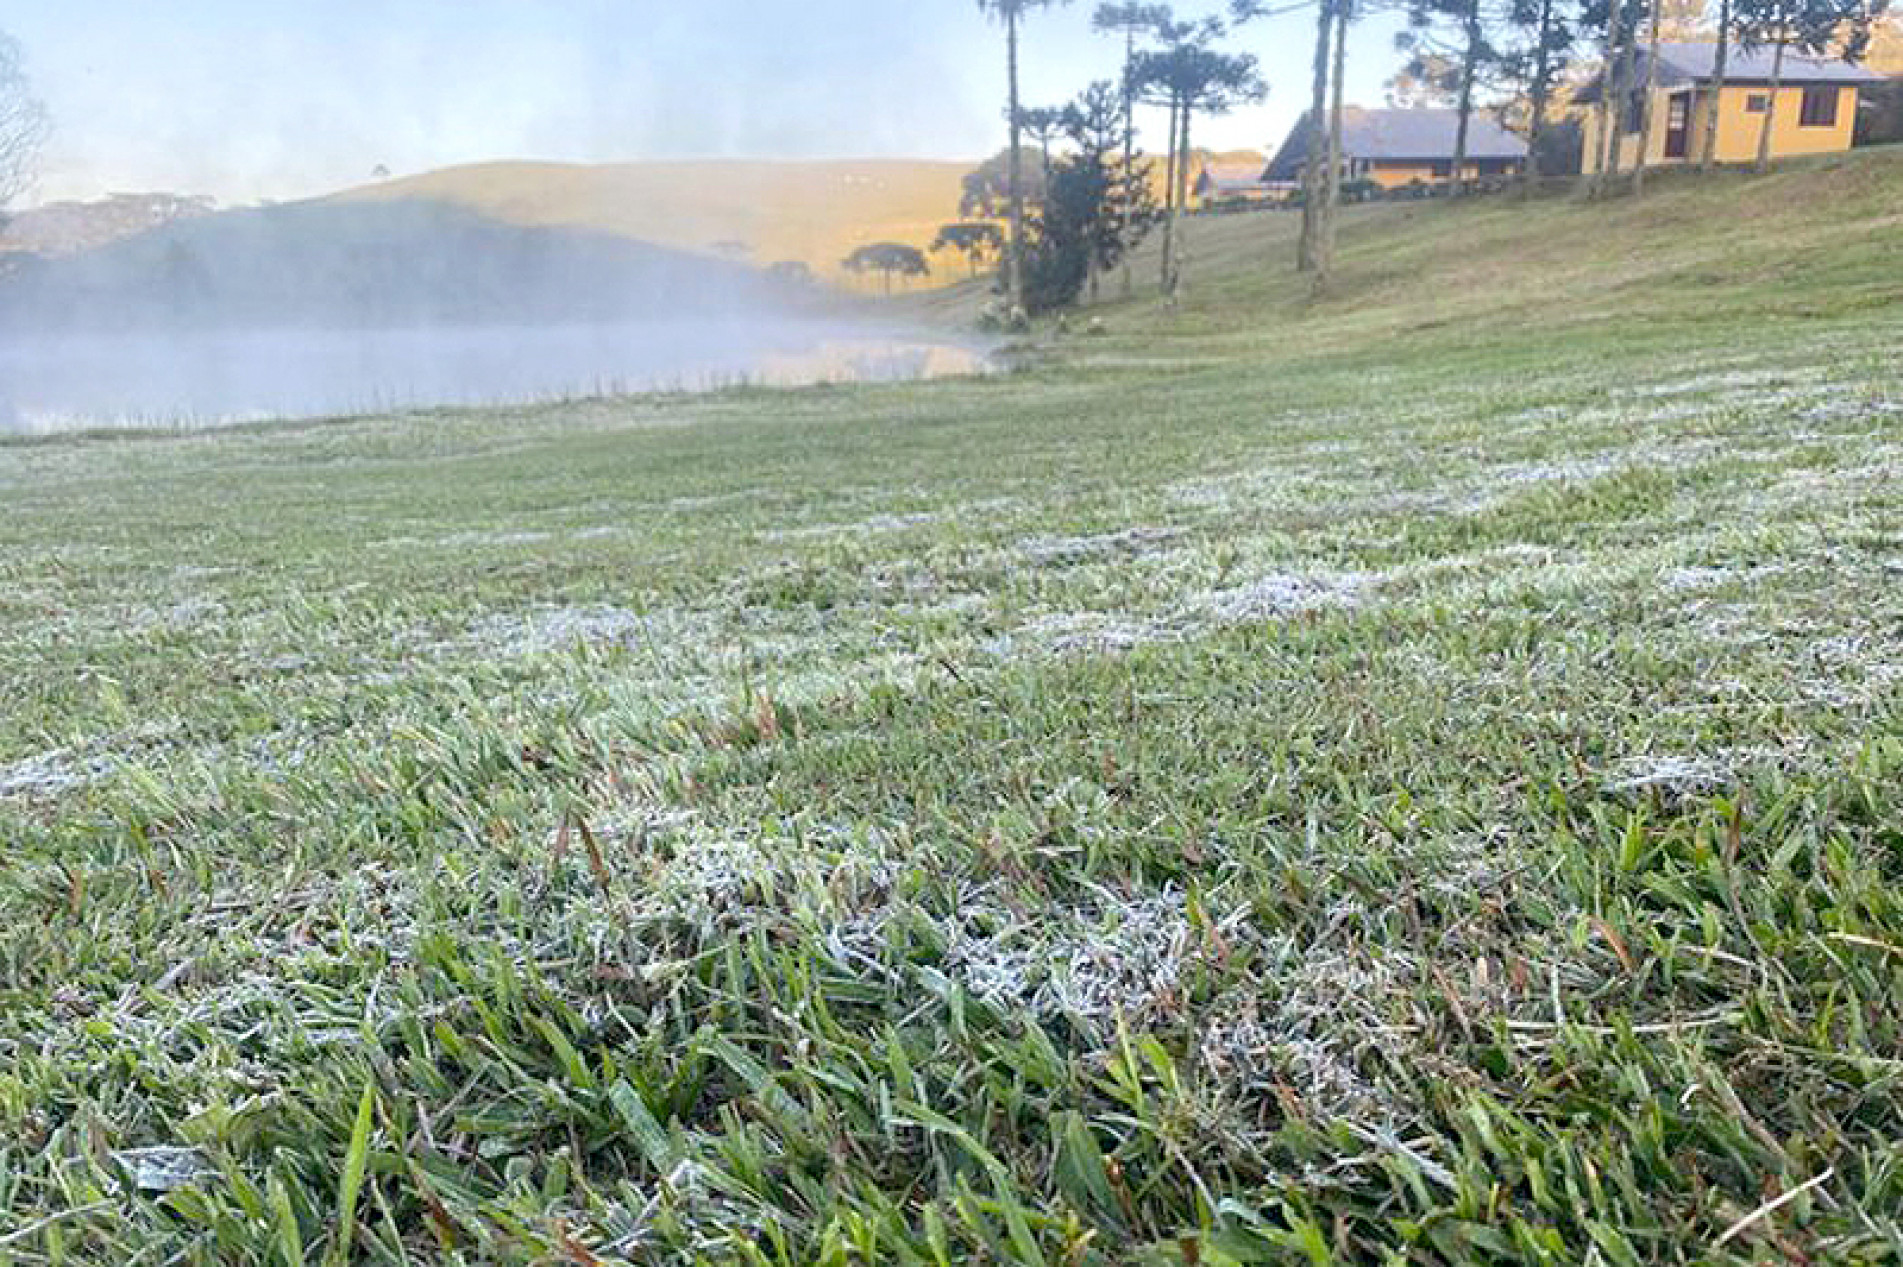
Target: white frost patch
pixel 1136 543
pixel 50 773
pixel 858 528
pixel 1086 631
pixel 1308 1026
pixel 164 1169
pixel 1674 776
pixel 179 617
pixel 1275 596
pixel 1700 384
pixel 1837 412
pixel 1124 959
pixel 562 629
pixel 492 539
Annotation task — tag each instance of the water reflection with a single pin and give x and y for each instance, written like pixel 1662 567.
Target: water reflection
pixel 220 377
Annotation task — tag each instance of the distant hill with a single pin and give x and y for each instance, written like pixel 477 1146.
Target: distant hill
pixel 67 228
pixel 814 213
pixel 763 213
pixel 368 264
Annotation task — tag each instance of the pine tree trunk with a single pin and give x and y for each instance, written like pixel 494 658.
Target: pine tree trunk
pixel 1335 114
pixel 1169 203
pixel 1015 276
pixel 1469 69
pixel 1175 282
pixel 1609 113
pixel 1308 253
pixel 1541 92
pixel 1130 137
pixel 1708 144
pixel 1651 102
pixel 1770 106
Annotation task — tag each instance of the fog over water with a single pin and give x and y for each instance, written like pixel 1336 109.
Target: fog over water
pixel 146 379
pixel 321 309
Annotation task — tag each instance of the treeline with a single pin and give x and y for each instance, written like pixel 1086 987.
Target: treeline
pixel 1073 216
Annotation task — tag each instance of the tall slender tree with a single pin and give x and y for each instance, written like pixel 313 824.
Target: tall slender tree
pixel 1609 113
pixel 1345 14
pixel 1650 107
pixel 1315 249
pixel 1450 40
pixel 1133 22
pixel 1011 13
pixel 1198 79
pixel 1539 37
pixel 1715 87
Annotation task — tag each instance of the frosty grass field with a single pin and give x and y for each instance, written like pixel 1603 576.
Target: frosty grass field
pixel 1420 779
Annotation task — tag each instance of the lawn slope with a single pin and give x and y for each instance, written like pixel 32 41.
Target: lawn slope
pixel 1411 776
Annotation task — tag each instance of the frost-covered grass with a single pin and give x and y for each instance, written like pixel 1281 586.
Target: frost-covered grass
pixel 1436 799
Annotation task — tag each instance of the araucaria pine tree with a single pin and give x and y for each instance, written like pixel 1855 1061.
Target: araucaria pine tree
pixel 1133 22
pixel 1099 209
pixel 1191 77
pixel 1011 13
pixel 1535 49
pixel 1450 43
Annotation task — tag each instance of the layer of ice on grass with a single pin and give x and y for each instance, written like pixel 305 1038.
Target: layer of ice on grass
pixel 1851 410
pixel 1069 632
pixel 50 773
pixel 1274 597
pixel 180 617
pixel 1685 580
pixel 164 1169
pixel 1130 543
pixel 1670 775
pixel 872 525
pixel 1308 1024
pixel 553 629
pixel 478 539
pixel 1121 958
pixel 1721 381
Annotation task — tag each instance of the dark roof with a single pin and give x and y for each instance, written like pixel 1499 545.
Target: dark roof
pixel 1401 134
pixel 1681 64
pixel 1232 178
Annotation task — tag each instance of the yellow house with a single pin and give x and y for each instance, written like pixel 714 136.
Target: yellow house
pixel 1815 110
pixel 1396 148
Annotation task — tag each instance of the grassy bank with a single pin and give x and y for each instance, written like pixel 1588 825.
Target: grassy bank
pixel 1415 774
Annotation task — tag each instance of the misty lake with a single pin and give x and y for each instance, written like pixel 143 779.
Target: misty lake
pixel 69 382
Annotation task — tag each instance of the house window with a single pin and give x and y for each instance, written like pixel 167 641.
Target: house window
pixel 1757 103
pixel 1442 170
pixel 1820 108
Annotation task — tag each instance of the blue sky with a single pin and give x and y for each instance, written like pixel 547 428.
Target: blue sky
pixel 282 98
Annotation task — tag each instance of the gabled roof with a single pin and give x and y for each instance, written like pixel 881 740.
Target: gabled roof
pixel 1231 178
pixel 1681 64
pixel 1424 135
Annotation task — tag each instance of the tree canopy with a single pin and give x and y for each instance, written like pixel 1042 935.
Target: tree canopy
pixel 891 259
pixel 23 125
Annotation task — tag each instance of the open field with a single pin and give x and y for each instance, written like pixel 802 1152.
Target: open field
pixel 1418 777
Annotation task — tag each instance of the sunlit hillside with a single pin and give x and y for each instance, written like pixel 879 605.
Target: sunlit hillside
pixel 814 213
pixel 763 213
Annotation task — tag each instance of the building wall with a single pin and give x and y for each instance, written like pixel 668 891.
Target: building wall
pixel 1391 174
pixel 1738 127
